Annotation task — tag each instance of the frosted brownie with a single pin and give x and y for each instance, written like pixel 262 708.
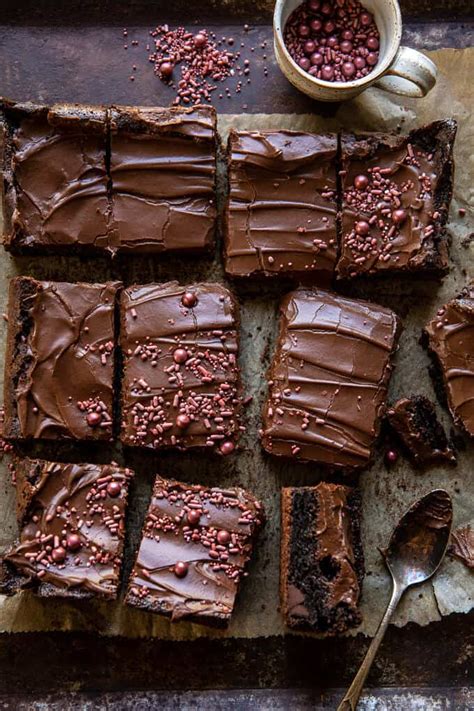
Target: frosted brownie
pixel 59 363
pixel 196 544
pixel 181 381
pixel 328 379
pixel 71 530
pixel 322 562
pixel 281 210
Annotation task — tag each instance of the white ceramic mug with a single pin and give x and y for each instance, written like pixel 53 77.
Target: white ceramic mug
pixel 400 70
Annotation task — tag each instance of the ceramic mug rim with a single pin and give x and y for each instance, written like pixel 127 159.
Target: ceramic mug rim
pixel 355 83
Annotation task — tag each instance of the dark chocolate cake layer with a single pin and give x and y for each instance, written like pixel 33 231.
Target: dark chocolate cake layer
pixel 322 563
pixel 196 544
pixel 163 169
pixel 396 196
pixel 450 339
pixel 55 178
pixel 181 382
pixel 71 522
pixel 329 377
pixel 421 434
pixel 281 211
pixel 59 364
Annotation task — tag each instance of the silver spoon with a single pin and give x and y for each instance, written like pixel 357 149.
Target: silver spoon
pixel 417 547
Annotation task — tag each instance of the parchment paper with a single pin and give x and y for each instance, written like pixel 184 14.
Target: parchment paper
pixel 386 494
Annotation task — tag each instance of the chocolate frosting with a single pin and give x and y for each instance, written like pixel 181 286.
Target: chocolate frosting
pixel 163 170
pixel 214 549
pixel 60 179
pixel 329 377
pixel 405 175
pixel 451 340
pixel 71 527
pixel 281 213
pixel 62 344
pixel 331 583
pixel 159 387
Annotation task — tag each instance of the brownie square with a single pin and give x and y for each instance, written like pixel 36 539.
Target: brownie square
pixel 328 379
pixel 419 431
pixel 449 337
pixel 196 544
pixel 163 169
pixel 396 196
pixel 71 525
pixel 55 178
pixel 322 561
pixel 59 365
pixel 281 210
pixel 181 382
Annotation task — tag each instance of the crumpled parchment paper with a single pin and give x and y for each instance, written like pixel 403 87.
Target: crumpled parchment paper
pixel 386 493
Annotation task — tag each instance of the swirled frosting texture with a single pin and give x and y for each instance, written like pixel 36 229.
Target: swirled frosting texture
pixel 195 547
pixel 451 340
pixel 60 360
pixel 329 377
pixel 181 382
pixel 71 527
pixel 281 213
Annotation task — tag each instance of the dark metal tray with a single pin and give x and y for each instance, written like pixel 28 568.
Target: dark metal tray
pixel 42 58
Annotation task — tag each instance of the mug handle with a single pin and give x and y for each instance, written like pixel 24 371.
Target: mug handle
pixel 411 74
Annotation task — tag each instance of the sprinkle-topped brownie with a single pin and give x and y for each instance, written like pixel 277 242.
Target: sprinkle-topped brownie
pixel 59 364
pixel 55 178
pixel 329 377
pixel 163 168
pixel 281 212
pixel 71 521
pixel 181 384
pixel 196 544
pixel 396 196
pixel 450 339
pixel 322 562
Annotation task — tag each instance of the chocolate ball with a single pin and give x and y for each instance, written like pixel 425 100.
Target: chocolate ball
pixel 327 72
pixel 114 488
pixel 181 569
pixel 304 63
pixel 332 41
pixel 399 216
pixel 73 542
pixel 359 62
pixel 227 447
pixel 93 419
pixel 372 43
pixel 347 35
pixel 391 456
pixel 313 71
pixel 189 299
pixel 361 182
pixel 193 517
pixel 329 27
pixel 166 69
pixel 365 19
pixel 223 537
pixel 183 421
pixel 317 59
pixel 326 8
pixel 58 554
pixel 372 59
pixel 309 47
pixel 362 227
pixel 346 46
pixel 303 31
pixel 314 5
pixel 200 40
pixel 180 355
pixel 348 69
pixel 316 25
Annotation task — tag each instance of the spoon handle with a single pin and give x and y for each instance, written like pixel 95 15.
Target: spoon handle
pixel 350 700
